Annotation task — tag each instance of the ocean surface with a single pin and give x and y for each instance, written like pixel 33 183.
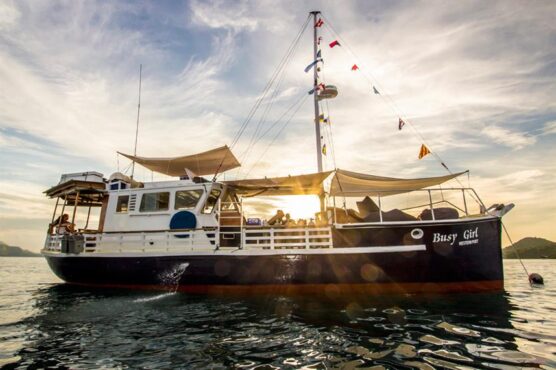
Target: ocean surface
pixel 47 324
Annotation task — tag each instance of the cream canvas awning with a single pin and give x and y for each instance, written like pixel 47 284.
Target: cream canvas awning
pixel 288 185
pixel 206 163
pixel 347 183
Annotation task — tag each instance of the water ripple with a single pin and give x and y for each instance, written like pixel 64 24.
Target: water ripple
pixel 48 325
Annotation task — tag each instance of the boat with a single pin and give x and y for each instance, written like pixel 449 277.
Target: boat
pixel 194 233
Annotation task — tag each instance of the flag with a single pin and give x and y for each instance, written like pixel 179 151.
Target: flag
pixel 401 124
pixel 319 40
pixel 313 63
pixel 334 43
pixel 375 91
pixel 326 120
pixel 316 88
pixel 324 149
pixel 319 54
pixel 319 23
pixel 321 117
pixel 424 151
pixel 354 67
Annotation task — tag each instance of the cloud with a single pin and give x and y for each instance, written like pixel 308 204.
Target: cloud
pixel 512 139
pixel 549 128
pixel 221 14
pixel 9 15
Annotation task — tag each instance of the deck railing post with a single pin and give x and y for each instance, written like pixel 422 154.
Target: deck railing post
pixel 306 238
pixel 430 202
pixel 271 238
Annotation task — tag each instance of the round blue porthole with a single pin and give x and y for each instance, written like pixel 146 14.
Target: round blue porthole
pixel 183 220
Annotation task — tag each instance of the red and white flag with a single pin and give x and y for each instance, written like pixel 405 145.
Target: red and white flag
pixel 354 67
pixel 334 43
pixel 319 23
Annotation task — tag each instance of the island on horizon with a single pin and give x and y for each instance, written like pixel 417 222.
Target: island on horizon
pixel 12 251
pixel 531 248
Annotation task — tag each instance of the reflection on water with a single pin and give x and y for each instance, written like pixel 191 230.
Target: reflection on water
pixel 56 325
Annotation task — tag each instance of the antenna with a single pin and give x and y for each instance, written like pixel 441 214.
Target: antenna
pixel 137 126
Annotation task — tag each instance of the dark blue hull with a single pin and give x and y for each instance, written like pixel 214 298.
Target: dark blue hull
pixel 471 260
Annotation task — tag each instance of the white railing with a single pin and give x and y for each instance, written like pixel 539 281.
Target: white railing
pixel 197 240
pixel 139 242
pixel 287 238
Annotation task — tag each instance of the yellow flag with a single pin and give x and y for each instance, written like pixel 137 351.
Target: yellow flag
pixel 424 151
pixel 324 149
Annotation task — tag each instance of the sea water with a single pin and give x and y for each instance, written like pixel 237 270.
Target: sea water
pixel 47 324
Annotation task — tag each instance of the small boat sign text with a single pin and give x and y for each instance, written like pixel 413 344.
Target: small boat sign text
pixel 470 236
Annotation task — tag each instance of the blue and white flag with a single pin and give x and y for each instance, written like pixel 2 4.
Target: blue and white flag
pixel 314 63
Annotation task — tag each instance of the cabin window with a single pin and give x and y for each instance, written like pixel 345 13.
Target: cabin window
pixel 154 202
pixel 121 205
pixel 187 199
pixel 211 200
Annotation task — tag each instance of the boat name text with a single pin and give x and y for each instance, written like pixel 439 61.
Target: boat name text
pixel 470 236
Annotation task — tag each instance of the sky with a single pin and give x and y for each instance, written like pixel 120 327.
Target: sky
pixel 475 81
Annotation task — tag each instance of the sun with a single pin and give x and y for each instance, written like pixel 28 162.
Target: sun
pixel 298 206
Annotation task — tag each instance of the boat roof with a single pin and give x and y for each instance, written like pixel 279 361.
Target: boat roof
pixel 344 183
pixel 90 192
pixel 206 163
pixel 348 183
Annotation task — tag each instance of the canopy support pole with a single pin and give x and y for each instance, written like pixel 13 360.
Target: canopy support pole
pixel 88 216
pixel 430 203
pixel 75 208
pixel 464 202
pixel 55 209
pixel 379 208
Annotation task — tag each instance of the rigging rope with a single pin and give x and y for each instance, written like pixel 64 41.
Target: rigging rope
pixel 373 81
pixel 266 89
pixel 286 123
pixel 386 98
pixel 272 99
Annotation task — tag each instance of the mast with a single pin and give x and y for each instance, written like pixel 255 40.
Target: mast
pixel 316 102
pixel 315 95
pixel 137 126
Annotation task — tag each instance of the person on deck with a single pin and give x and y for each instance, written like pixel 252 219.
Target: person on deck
pixel 63 226
pixel 277 218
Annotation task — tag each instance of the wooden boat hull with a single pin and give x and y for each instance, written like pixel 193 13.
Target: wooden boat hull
pixel 432 257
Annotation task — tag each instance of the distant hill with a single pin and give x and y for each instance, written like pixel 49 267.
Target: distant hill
pixel 8 251
pixel 530 248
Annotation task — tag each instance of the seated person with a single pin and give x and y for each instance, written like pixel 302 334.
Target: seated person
pixel 287 220
pixel 277 218
pixel 301 222
pixel 63 226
